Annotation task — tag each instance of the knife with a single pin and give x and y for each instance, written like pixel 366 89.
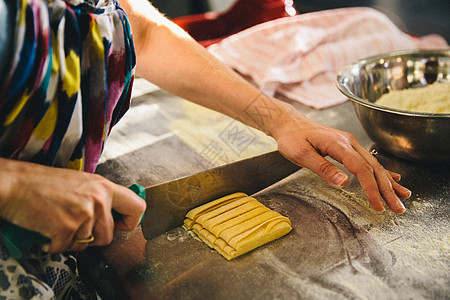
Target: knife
pixel 168 203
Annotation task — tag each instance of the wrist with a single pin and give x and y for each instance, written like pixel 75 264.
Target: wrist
pixel 5 182
pixel 8 170
pixel 283 117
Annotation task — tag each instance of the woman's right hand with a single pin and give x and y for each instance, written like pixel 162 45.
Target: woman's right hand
pixel 65 205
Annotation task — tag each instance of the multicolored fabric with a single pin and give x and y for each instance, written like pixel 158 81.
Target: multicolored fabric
pixel 68 83
pixel 42 276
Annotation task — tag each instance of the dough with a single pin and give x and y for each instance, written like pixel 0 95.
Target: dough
pixel 434 98
pixel 236 224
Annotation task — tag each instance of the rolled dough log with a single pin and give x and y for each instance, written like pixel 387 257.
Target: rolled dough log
pixel 236 224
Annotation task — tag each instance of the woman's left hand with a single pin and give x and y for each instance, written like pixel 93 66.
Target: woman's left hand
pixel 306 143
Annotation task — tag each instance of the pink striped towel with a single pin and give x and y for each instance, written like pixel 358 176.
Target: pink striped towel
pixel 300 56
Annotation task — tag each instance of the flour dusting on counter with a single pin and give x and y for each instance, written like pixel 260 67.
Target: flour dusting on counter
pixel 384 255
pixel 339 248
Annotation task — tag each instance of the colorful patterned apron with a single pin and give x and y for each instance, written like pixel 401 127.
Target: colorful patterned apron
pixel 68 82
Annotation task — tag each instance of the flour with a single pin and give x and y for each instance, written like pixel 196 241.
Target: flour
pixel 227 141
pixel 399 256
pixel 434 98
pixel 350 200
pixel 420 244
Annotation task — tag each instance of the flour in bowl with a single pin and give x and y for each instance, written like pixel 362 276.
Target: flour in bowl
pixel 434 98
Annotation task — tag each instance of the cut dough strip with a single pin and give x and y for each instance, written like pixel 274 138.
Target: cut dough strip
pixel 236 224
pixel 193 213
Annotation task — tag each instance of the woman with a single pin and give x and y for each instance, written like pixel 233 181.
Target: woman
pixel 69 69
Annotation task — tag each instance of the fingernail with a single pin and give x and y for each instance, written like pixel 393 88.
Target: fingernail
pixel 396 176
pixel 401 205
pixel 339 179
pixel 409 194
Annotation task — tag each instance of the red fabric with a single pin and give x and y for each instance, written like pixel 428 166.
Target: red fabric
pixel 212 27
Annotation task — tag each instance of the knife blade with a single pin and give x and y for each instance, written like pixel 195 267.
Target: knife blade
pixel 168 203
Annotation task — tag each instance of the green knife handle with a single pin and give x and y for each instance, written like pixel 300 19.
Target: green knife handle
pixel 17 239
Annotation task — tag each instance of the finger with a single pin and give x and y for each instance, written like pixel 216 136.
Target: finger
pixel 401 191
pixel 353 162
pixel 78 246
pixel 83 236
pixel 395 176
pixel 103 227
pixel 384 181
pixel 349 154
pixel 370 185
pixel 85 230
pixel 61 236
pixel 322 167
pixel 61 242
pixel 130 206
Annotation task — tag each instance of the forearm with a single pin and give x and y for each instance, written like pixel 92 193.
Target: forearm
pixel 8 171
pixel 170 58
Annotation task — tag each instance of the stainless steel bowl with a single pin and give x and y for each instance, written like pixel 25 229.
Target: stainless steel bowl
pixel 405 134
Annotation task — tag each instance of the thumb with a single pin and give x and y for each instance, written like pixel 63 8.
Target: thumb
pixel 130 206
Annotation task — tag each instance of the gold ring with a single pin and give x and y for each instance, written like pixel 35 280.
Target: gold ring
pixel 374 152
pixel 85 241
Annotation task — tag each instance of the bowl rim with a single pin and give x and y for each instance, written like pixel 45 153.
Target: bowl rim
pixel 358 100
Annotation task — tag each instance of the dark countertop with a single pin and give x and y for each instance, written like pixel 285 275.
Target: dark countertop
pixel 339 247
